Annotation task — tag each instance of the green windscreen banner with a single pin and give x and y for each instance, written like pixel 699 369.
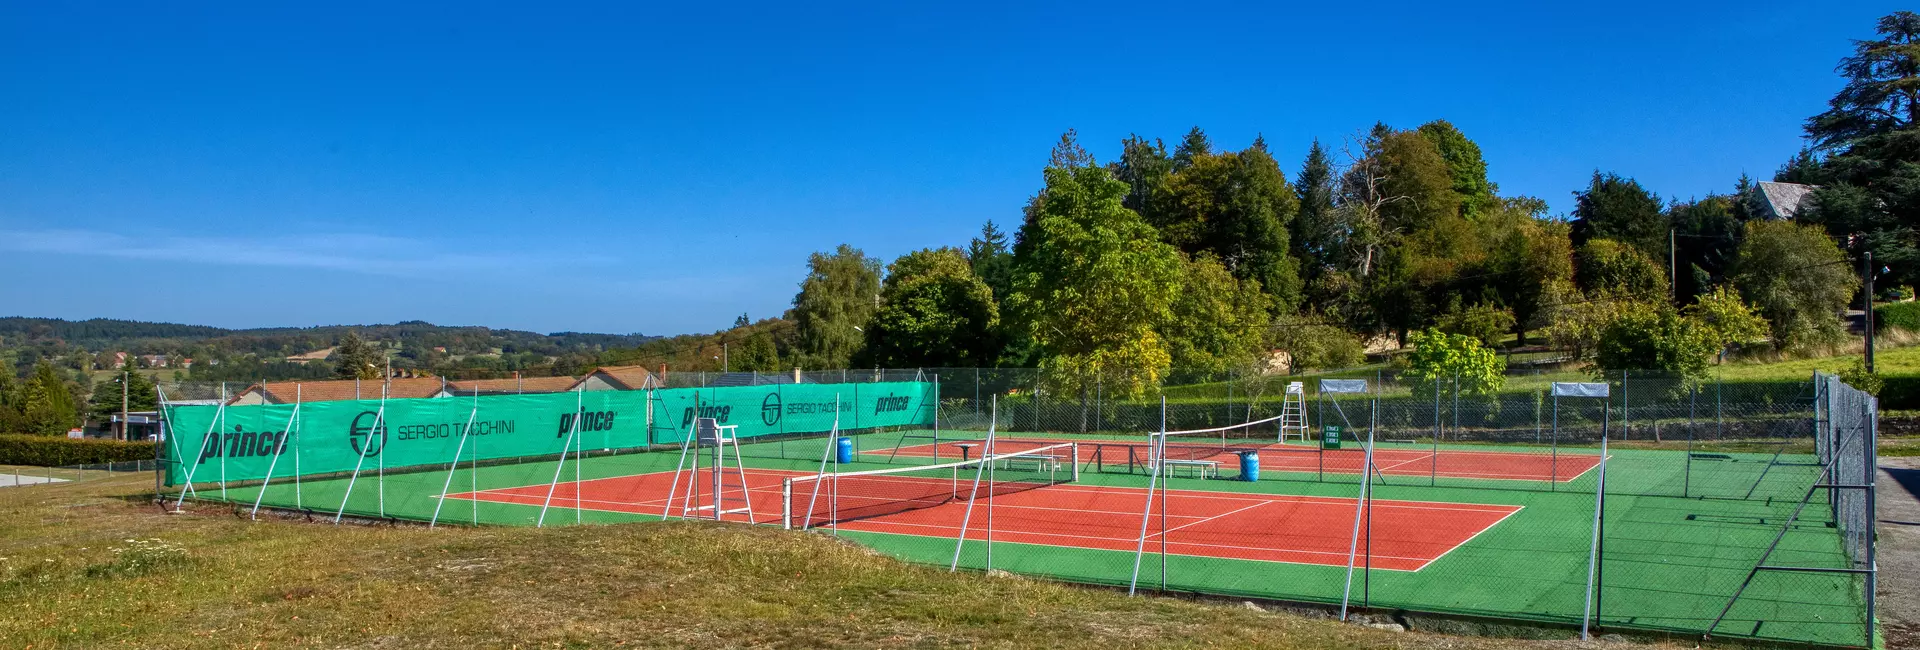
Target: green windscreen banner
pixel 239 443
pixel 252 442
pixel 793 408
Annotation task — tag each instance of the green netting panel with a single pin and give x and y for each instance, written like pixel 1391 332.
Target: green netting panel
pixel 243 443
pixel 793 408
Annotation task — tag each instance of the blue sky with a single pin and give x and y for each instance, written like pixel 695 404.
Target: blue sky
pixel 662 169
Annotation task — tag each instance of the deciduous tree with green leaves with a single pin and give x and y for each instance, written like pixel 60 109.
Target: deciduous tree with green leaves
pixel 1617 268
pixel 1464 164
pixel 1658 340
pixel 1797 279
pixel 1727 319
pixel 1310 341
pixel 836 300
pixel 1441 357
pixel 1092 282
pixel 933 312
pixel 1527 256
pixel 1218 320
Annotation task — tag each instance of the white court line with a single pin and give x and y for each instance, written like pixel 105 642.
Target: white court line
pixel 1260 500
pixel 1164 517
pixel 1469 538
pixel 855 526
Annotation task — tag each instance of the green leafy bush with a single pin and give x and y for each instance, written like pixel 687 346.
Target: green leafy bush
pixel 1902 315
pixel 50 451
pixel 1312 343
pixel 1859 377
pixel 1656 340
pixel 1438 356
pixel 1485 323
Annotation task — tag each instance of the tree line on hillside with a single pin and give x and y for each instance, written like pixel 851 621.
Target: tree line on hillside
pixel 56 374
pixel 1190 255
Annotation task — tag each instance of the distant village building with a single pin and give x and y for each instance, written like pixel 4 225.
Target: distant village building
pixel 1779 201
pixel 512 386
pixel 333 390
pixel 620 378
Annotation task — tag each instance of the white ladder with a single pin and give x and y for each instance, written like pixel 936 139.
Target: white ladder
pixel 1293 413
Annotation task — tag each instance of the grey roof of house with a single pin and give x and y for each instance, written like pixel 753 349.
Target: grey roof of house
pixel 1785 199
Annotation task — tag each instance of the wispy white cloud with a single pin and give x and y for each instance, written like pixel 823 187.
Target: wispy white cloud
pixel 357 253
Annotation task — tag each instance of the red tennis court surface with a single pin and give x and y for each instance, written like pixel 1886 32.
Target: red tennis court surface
pixel 1275 457
pixel 1406 535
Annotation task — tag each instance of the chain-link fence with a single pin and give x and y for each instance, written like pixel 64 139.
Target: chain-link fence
pixel 28 476
pixel 1709 438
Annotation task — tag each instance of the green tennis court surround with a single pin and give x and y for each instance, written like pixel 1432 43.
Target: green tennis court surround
pixel 1492 514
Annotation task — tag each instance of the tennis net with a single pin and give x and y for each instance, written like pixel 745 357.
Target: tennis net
pixel 1215 443
pixel 826 499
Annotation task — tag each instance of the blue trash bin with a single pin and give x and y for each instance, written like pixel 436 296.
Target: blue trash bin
pixel 845 454
pixel 1249 465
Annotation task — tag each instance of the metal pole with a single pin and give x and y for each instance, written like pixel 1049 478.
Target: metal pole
pixel 279 447
pixel 966 519
pixel 1153 480
pixel 1686 475
pixel 1872 475
pixel 1587 612
pixel 455 466
pixel 298 502
pixel 1868 315
pixel 124 377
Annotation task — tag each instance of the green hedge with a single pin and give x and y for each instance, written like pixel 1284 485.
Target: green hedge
pixel 56 451
pixel 1904 315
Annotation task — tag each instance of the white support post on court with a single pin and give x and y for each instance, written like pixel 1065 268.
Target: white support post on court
pixel 681 466
pixel 1353 386
pixel 572 432
pixel 966 519
pixel 299 502
pixel 280 447
pixel 379 429
pixel 1602 391
pixel 221 431
pixel 1593 550
pixel 473 466
pixel 380 481
pixel 579 412
pixel 1360 507
pixel 173 441
pixel 1154 450
pixel 454 467
pixel 211 438
pixel 833 440
pixel 786 504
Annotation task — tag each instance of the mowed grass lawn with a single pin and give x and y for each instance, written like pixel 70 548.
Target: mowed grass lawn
pixel 1888 361
pixel 93 565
